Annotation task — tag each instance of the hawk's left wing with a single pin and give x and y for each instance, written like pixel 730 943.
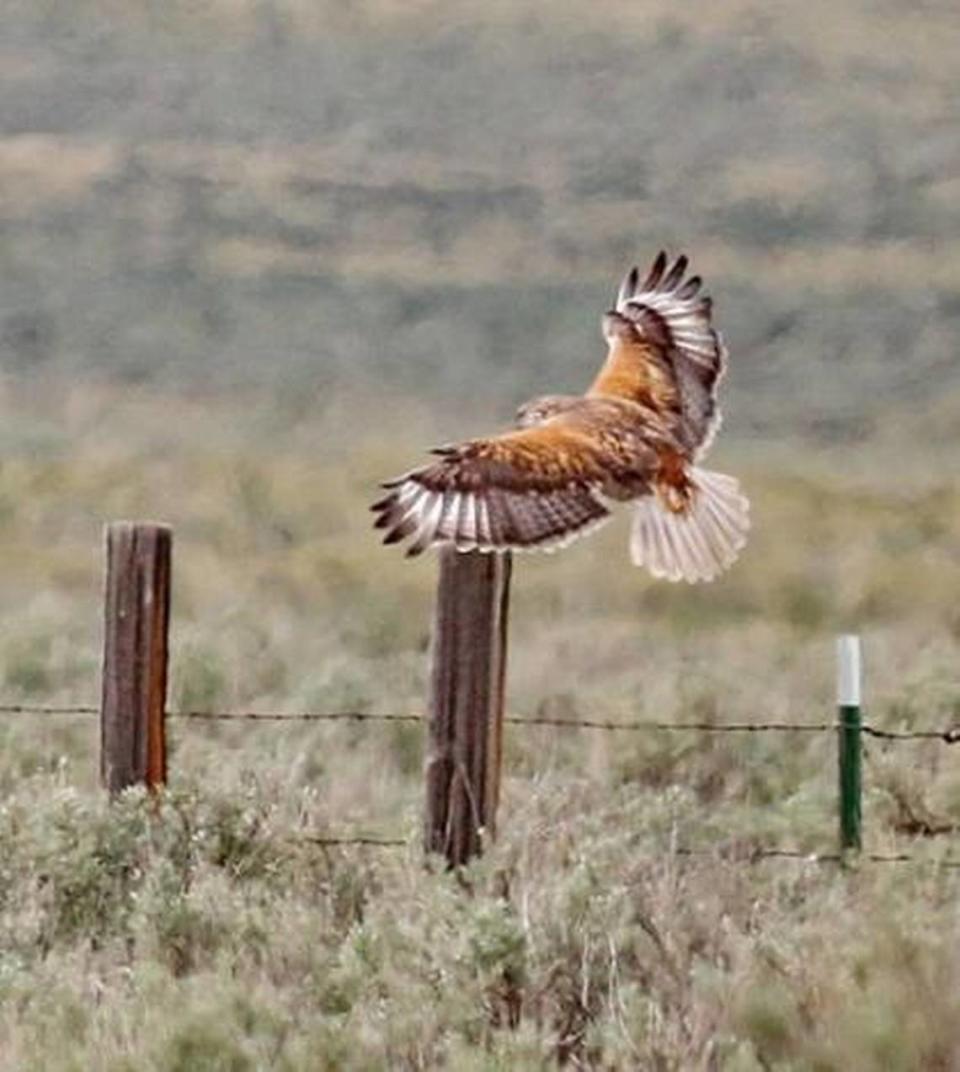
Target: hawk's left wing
pixel 664 351
pixel 537 487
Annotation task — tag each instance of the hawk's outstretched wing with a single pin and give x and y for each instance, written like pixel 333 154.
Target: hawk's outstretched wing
pixel 665 353
pixel 537 487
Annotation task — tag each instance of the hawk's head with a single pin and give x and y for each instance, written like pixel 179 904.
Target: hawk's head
pixel 538 410
pixel 618 328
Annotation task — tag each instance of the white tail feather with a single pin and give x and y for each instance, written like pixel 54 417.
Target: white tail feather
pixel 698 543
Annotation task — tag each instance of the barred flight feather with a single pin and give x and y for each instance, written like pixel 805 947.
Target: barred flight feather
pixel 492 519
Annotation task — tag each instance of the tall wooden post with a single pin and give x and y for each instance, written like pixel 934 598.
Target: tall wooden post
pixel 136 623
pixel 469 661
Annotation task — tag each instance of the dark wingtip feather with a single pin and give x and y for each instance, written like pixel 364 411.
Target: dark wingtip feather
pixel 676 273
pixel 628 287
pixel 690 288
pixel 656 271
pixel 383 504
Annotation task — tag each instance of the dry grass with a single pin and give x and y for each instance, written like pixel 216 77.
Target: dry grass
pixel 207 936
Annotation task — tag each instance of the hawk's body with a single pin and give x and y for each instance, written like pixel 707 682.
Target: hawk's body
pixel 635 435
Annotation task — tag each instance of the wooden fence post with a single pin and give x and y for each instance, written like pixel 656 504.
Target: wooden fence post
pixel 136 623
pixel 848 706
pixel 469 661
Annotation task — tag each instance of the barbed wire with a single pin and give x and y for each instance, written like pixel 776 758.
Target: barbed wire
pixel 949 735
pixel 292 716
pixel 48 709
pixel 746 856
pixel 365 840
pixel 513 720
pixel 756 855
pixel 690 727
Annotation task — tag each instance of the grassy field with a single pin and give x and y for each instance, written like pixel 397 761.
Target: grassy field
pixel 207 935
pixel 255 256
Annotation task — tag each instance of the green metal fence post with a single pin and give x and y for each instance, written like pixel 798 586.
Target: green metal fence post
pixel 849 741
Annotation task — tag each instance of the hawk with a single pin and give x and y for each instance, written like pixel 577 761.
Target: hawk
pixel 636 436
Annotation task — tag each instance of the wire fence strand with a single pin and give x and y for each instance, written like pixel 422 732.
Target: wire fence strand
pixel 756 855
pixel 292 716
pixel 948 735
pixel 362 840
pixel 745 856
pixel 514 720
pixel 683 727
pixel 49 709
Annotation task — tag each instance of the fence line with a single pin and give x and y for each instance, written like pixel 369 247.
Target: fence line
pixel 751 856
pixel 464 715
pixel 950 735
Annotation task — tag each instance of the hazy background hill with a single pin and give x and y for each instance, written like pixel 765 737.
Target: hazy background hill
pixel 438 197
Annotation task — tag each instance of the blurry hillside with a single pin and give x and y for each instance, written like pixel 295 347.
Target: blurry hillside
pixel 308 194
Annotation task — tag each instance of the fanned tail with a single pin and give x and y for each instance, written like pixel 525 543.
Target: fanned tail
pixel 695 544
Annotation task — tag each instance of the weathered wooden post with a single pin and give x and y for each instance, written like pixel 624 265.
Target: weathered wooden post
pixel 469 661
pixel 848 707
pixel 136 623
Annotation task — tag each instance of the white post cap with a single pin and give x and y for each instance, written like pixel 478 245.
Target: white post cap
pixel 848 670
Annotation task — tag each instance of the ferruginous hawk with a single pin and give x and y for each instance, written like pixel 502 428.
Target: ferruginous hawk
pixel 636 436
